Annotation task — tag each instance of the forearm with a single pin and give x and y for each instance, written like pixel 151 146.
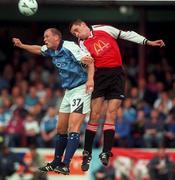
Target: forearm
pixel 35 49
pixel 90 71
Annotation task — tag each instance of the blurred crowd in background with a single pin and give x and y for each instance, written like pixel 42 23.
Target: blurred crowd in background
pixel 30 96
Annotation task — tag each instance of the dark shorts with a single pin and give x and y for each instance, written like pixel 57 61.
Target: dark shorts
pixel 109 83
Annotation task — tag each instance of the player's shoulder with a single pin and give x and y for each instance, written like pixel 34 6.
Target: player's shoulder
pixel 68 44
pixel 100 26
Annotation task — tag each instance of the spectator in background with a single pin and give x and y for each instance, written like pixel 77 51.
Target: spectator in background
pixel 125 118
pixel 132 70
pixel 35 160
pixel 4 93
pixel 170 131
pixel 48 128
pixel 24 86
pixel 145 107
pixel 15 132
pixel 172 91
pixel 8 73
pixel 8 162
pixel 172 111
pixel 168 80
pixel 160 88
pixel 37 111
pixel 163 103
pixel 51 97
pixel 16 92
pixel 32 130
pixel 4 84
pixel 40 90
pixel 31 99
pixel 138 129
pixel 129 112
pixel 161 167
pixel 123 130
pixel 6 103
pixel 19 78
pixel 3 125
pixel 3 120
pixel 141 88
pixel 150 94
pixel 134 96
pixel 36 74
pixel 105 173
pixel 19 106
pixel 59 94
pixel 153 130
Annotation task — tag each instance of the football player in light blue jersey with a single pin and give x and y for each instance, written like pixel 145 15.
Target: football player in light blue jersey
pixel 78 84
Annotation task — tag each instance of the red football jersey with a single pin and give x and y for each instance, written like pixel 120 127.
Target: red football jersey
pixel 104 49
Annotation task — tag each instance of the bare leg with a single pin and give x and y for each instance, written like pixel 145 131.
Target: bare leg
pixel 109 129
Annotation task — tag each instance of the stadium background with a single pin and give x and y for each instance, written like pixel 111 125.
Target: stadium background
pixel 152 66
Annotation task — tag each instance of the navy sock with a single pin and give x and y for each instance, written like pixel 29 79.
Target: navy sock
pixel 72 145
pixel 60 146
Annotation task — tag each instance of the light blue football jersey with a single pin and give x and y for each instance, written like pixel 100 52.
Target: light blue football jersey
pixel 67 60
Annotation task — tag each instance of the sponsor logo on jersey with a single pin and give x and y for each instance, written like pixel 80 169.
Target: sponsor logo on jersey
pixel 100 46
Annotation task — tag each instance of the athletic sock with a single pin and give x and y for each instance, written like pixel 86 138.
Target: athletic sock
pixel 89 136
pixel 72 145
pixel 60 146
pixel 109 132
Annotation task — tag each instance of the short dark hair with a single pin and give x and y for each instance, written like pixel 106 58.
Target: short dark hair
pixel 55 31
pixel 76 22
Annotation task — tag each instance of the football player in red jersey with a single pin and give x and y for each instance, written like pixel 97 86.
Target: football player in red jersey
pixel 109 79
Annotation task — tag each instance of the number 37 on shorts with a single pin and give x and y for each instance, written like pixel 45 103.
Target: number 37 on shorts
pixel 80 104
pixel 76 100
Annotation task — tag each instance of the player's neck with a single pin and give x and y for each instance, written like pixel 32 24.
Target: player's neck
pixel 57 45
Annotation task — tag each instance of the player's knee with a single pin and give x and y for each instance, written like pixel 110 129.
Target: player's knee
pixel 95 116
pixel 111 114
pixel 61 130
pixel 74 128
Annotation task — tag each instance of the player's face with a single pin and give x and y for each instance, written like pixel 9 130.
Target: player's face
pixel 51 40
pixel 81 31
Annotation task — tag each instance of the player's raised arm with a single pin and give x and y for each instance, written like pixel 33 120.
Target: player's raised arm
pixel 35 49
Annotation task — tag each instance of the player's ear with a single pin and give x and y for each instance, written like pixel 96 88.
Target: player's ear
pixel 57 38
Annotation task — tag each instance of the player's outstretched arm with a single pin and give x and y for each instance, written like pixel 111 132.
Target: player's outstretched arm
pixel 131 36
pixel 35 49
pixel 159 43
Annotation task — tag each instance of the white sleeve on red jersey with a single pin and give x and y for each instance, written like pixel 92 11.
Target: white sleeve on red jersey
pixel 83 47
pixel 75 50
pixel 126 35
